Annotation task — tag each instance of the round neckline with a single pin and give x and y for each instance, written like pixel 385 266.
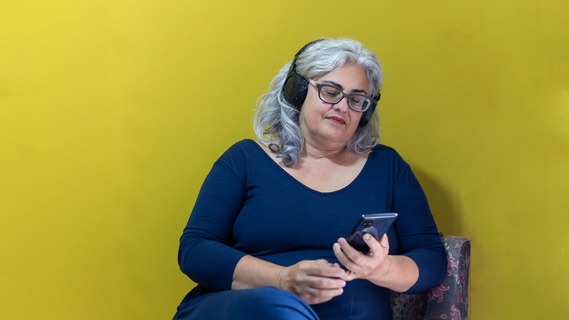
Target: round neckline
pixel 281 169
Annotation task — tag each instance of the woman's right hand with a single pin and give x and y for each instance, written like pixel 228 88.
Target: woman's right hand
pixel 314 281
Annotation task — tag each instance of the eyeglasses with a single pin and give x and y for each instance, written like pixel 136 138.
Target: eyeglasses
pixel 331 94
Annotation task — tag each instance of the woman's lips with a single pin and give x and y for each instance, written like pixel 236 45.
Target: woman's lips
pixel 337 119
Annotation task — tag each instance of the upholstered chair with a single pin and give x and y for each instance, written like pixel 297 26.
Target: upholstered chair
pixel 449 300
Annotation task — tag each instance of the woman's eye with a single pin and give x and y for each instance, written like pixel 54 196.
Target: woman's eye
pixel 357 100
pixel 331 92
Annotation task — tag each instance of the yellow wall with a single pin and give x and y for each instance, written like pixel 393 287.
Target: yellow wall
pixel 112 112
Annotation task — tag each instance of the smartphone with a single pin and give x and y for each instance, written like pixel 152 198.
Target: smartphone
pixel 375 224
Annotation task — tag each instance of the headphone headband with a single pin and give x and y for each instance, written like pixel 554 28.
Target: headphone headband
pixel 295 88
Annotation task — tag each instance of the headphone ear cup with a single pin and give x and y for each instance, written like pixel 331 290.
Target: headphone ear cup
pixel 366 117
pixel 368 114
pixel 295 88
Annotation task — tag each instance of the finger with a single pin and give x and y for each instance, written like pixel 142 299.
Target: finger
pixel 384 241
pixel 372 243
pixel 346 247
pixel 323 268
pixel 340 254
pixel 332 284
pixel 350 258
pixel 330 293
pixel 319 289
pixel 321 296
pixel 350 252
pixel 349 276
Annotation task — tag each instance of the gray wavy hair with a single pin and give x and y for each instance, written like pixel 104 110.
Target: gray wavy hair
pixel 276 121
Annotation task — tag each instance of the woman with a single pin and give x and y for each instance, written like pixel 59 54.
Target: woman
pixel 265 237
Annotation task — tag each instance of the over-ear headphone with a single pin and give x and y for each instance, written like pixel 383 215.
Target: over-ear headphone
pixel 295 88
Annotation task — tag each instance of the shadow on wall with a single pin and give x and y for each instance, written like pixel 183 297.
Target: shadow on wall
pixel 444 206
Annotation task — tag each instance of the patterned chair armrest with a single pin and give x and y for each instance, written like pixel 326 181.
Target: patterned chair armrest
pixel 449 300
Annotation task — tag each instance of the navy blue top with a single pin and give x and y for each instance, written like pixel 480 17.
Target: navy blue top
pixel 249 205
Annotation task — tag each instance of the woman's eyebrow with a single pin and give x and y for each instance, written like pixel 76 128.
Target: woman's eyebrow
pixel 339 86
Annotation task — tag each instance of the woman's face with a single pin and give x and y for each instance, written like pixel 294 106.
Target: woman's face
pixel 329 126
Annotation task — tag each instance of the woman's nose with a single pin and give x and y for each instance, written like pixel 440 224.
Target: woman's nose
pixel 342 105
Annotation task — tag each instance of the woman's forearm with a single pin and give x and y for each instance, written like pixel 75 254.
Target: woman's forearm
pixel 401 275
pixel 251 272
pixel 314 281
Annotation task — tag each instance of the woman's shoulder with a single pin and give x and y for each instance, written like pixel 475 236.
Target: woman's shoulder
pixel 384 155
pixel 384 159
pixel 243 150
pixel 244 145
pixel 385 151
pixel 384 148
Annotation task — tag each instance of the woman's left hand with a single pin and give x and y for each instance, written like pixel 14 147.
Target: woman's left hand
pixel 374 265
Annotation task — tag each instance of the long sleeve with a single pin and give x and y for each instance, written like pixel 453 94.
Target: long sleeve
pixel 417 232
pixel 206 254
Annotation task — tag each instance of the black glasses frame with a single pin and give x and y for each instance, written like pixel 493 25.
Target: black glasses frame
pixel 319 87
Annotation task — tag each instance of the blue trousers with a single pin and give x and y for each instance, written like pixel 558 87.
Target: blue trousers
pixel 260 303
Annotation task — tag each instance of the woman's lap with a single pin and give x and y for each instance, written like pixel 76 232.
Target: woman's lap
pixel 260 303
